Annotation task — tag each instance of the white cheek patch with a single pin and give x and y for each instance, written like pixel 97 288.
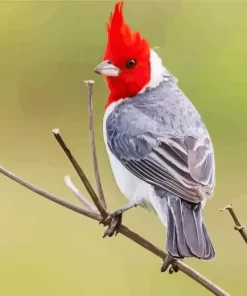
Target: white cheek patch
pixel 157 71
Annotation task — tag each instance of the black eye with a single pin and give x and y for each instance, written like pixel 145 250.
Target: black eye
pixel 130 64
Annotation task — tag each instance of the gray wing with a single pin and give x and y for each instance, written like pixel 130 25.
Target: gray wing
pixel 147 137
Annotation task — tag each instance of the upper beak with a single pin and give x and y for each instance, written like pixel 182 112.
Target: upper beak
pixel 106 68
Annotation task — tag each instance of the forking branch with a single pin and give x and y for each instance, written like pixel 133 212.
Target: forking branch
pixel 98 212
pixel 238 226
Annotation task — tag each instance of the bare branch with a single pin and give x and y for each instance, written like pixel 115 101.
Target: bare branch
pixel 90 84
pixel 79 195
pixel 124 231
pixel 49 196
pixel 239 227
pixel 80 173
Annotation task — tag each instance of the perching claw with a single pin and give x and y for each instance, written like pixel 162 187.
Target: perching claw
pixel 113 221
pixel 167 262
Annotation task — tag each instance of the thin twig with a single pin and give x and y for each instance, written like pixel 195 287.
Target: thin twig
pixel 80 173
pixel 124 231
pixel 239 227
pixel 79 195
pixel 49 196
pixel 90 84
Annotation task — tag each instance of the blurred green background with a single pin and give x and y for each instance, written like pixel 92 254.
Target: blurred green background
pixel 47 49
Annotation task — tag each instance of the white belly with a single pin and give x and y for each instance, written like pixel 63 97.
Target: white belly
pixel 133 188
pixel 136 190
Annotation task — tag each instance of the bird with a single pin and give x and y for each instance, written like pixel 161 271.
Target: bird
pixel 160 151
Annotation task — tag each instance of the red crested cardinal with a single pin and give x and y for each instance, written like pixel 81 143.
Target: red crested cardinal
pixel 159 148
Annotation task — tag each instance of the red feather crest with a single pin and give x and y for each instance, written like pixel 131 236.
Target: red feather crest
pixel 121 40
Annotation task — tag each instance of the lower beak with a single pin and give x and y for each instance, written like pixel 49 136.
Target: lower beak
pixel 106 68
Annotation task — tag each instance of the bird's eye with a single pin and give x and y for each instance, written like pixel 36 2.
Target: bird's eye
pixel 130 64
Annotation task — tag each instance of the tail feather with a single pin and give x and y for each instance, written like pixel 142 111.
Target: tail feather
pixel 186 233
pixel 192 226
pixel 179 247
pixel 209 252
pixel 172 237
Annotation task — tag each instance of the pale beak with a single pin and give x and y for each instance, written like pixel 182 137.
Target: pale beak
pixel 106 68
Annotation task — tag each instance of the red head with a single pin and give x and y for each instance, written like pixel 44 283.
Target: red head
pixel 126 58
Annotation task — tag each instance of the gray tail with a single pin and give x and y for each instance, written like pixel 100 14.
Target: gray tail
pixel 186 233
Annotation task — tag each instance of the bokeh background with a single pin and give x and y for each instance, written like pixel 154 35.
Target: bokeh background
pixel 47 49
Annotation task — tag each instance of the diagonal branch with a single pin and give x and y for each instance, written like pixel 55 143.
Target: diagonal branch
pixel 90 84
pixel 49 196
pixel 239 227
pixel 124 231
pixel 80 173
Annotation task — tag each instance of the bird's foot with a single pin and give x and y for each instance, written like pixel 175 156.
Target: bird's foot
pixel 112 221
pixel 169 261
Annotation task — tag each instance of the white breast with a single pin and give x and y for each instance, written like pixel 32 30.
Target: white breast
pixel 133 188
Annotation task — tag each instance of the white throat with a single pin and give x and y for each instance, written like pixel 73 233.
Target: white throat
pixel 158 71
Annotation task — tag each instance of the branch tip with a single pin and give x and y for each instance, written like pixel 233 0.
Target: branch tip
pixel 88 82
pixel 68 182
pixel 226 208
pixel 79 195
pixel 56 131
pixel 238 226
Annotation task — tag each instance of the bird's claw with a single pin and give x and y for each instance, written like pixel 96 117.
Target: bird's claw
pixel 167 262
pixel 112 221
